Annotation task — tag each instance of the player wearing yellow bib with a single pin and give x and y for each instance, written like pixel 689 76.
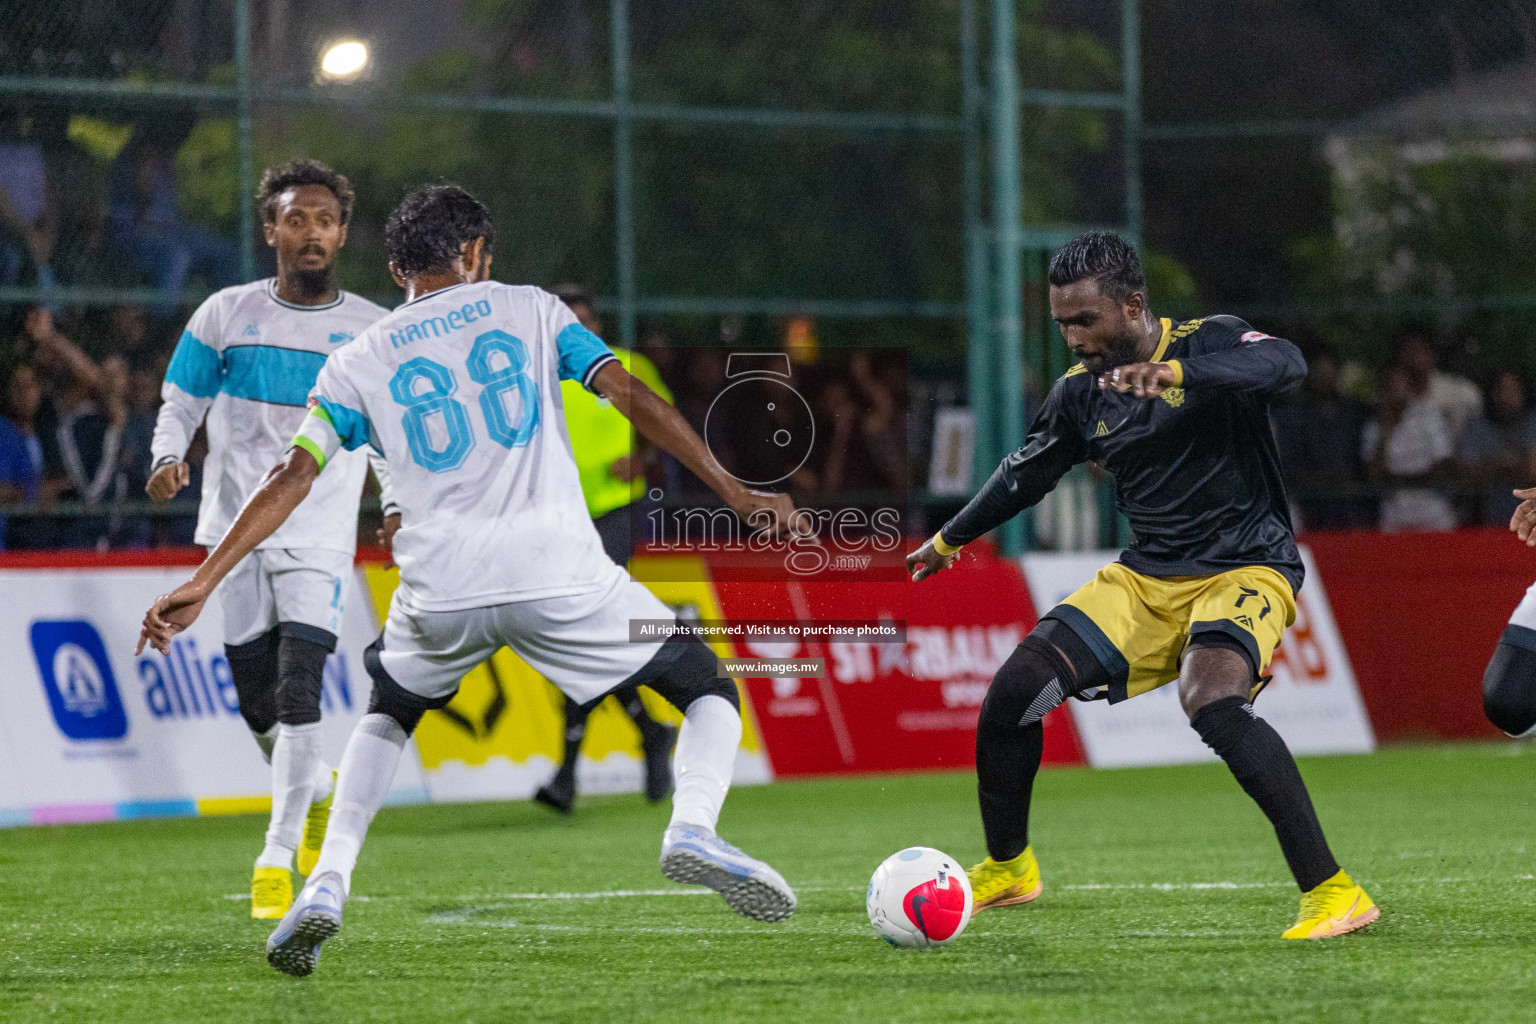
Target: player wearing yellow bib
pixel 612 469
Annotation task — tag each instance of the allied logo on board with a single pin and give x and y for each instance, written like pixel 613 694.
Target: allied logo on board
pixel 186 684
pixel 77 679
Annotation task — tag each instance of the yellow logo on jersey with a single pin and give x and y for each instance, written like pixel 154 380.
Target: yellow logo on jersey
pixel 1103 430
pixel 1173 396
pixel 1184 330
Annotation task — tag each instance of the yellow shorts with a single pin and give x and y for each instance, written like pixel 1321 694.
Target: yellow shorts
pixel 1138 626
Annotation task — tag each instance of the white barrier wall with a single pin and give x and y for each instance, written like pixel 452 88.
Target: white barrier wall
pixel 1312 701
pixel 89 732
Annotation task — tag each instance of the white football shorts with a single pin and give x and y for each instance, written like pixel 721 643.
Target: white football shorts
pixel 579 642
pixel 1525 611
pixel 274 585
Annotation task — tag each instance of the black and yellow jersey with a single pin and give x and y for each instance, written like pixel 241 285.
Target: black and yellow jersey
pixel 1196 470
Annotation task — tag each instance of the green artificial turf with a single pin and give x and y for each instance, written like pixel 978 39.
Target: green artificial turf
pixel 1165 897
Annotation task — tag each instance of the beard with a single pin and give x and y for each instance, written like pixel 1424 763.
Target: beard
pixel 1121 350
pixel 311 283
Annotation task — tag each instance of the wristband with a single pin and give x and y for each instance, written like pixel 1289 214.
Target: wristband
pixel 943 547
pixel 1178 372
pixel 165 460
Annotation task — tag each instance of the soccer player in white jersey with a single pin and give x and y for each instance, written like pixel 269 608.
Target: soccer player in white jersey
pixel 248 358
pixel 1509 682
pixel 460 390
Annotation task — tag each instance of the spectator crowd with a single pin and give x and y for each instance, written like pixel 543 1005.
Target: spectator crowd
pixel 1433 452
pixel 1419 447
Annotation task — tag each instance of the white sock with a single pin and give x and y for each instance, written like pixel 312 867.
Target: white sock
pixel 266 741
pixel 704 762
pixel 367 770
pixel 295 757
pixel 324 779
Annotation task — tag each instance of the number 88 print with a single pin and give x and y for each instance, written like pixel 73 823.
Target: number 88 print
pixel 510 430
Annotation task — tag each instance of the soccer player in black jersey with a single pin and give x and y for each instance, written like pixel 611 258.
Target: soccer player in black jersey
pixel 1179 415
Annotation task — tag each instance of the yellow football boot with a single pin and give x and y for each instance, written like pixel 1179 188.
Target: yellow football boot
pixel 271 893
pixel 314 831
pixel 1004 883
pixel 1333 908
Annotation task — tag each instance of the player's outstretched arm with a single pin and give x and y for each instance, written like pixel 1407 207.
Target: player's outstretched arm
pixel 280 492
pixel 662 425
pixel 1246 361
pixel 1055 444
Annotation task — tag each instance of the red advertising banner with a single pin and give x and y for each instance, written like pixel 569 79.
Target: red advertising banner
pixel 890 707
pixel 1420 614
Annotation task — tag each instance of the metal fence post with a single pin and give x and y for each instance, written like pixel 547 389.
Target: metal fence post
pixel 245 173
pixel 1007 188
pixel 1130 68
pixel 978 329
pixel 623 171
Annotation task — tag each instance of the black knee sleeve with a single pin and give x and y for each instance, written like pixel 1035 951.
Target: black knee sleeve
pixel 688 670
pixel 253 667
pixel 392 699
pixel 300 671
pixel 1509 684
pixel 1032 682
pixel 1050 665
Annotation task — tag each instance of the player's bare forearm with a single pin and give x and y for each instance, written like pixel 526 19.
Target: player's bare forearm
pixel 280 492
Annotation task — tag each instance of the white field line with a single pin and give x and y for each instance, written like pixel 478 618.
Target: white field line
pixel 466 916
pixel 610 894
pixel 607 894
pixel 350 899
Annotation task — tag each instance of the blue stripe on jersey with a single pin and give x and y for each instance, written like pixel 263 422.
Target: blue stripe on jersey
pixel 266 373
pixel 352 427
pixel 579 350
pixel 195 368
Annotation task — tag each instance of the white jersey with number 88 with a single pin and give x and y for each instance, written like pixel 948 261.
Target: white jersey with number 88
pixel 460 391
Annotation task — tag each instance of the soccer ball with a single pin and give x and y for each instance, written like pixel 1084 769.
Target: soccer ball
pixel 919 898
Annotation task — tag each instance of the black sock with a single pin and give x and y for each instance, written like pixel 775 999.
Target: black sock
pixel 1010 741
pixel 651 730
pixel 1006 763
pixel 575 732
pixel 1263 766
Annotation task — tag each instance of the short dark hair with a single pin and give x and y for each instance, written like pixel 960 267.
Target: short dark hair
pixel 428 229
pixel 1104 256
pixel 296 173
pixel 574 294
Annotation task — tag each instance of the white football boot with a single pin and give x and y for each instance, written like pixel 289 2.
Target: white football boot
pixel 696 856
pixel 294 946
